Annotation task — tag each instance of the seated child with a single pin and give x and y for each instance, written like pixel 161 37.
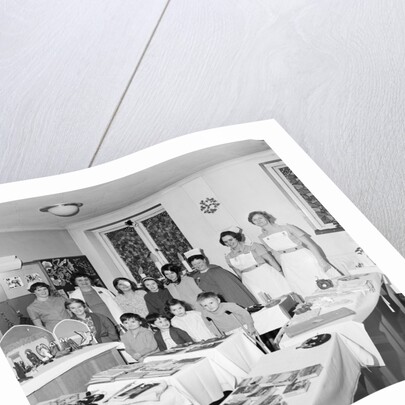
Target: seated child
pixel 139 340
pixel 226 316
pixel 100 326
pixel 166 335
pixel 190 321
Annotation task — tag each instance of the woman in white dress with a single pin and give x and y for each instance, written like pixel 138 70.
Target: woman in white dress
pixel 302 260
pixel 257 269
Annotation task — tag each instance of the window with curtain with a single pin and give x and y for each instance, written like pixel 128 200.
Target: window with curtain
pixel 153 237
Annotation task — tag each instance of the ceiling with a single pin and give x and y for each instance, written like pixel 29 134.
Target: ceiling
pixel 111 196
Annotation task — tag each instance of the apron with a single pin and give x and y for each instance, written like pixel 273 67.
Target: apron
pixel 262 279
pixel 300 267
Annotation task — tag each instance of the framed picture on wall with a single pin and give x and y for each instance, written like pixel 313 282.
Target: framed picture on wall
pixel 15 283
pixel 292 187
pixel 61 269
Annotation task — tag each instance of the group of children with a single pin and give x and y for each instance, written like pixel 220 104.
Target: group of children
pixel 182 326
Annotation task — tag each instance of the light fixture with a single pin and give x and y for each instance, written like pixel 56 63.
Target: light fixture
pixel 63 210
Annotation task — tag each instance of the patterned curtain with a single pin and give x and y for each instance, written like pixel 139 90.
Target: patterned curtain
pixel 133 251
pixel 167 236
pixel 309 198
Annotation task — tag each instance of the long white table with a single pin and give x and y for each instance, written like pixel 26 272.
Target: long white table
pixel 70 373
pixel 269 319
pixel 231 360
pixel 335 385
pixel 362 301
pixel 197 382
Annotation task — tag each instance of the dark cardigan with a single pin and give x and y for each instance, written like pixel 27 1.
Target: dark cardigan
pixel 156 301
pixel 179 336
pixel 105 329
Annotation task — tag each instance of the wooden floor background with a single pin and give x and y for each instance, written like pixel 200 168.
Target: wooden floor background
pixel 86 82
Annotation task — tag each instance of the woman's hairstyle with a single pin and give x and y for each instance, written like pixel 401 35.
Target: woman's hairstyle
pixel 80 274
pixel 174 269
pixel 130 315
pixel 75 301
pixel 268 216
pixel 238 236
pixel 204 295
pixel 34 286
pixel 158 282
pixel 196 257
pixel 134 287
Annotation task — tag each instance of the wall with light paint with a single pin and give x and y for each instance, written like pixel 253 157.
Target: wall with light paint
pixel 240 186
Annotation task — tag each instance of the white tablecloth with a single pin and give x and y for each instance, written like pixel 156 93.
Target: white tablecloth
pixel 353 335
pixel 169 397
pixel 351 329
pixel 231 360
pixel 196 382
pixel 61 365
pixel 269 319
pixel 335 385
pixel 361 302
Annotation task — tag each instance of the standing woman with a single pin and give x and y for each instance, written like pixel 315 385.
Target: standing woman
pixel 97 299
pixel 46 311
pixel 257 269
pixel 213 278
pixel 156 297
pixel 302 260
pixel 130 298
pixel 181 287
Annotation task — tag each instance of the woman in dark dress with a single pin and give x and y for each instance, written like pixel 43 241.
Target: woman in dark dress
pixel 213 278
pixel 157 295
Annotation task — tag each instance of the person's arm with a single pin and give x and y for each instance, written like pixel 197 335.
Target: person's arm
pixel 159 340
pixel 150 305
pixel 148 343
pixel 37 322
pixel 209 324
pixel 34 317
pixel 312 246
pixel 126 339
pixel 236 271
pixel 243 315
pixel 109 328
pixel 261 251
pixel 183 335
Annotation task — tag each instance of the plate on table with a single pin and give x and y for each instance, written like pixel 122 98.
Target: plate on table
pixel 315 341
pixel 272 303
pixel 254 308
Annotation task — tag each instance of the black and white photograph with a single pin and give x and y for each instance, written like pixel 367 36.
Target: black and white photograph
pixel 13 282
pixel 32 278
pixel 225 242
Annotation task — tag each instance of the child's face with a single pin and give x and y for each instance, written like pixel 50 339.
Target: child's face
pixel 178 310
pixel 162 323
pixel 210 304
pixel 77 309
pixel 131 324
pixel 151 285
pixel 171 275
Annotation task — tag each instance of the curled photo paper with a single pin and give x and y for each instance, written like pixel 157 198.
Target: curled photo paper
pixel 241 210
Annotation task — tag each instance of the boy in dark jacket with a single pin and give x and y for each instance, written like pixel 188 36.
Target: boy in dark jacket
pixel 166 335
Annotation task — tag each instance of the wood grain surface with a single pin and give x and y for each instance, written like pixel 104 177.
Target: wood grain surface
pixel 64 66
pixel 330 72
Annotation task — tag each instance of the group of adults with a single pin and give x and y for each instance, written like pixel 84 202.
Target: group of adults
pixel 287 260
